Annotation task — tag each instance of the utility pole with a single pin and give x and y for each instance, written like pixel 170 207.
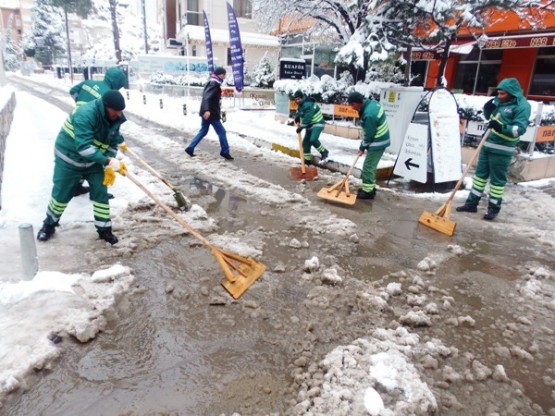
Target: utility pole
pixel 144 26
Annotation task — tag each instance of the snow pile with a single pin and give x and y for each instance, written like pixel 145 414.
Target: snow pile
pixel 373 376
pixel 39 314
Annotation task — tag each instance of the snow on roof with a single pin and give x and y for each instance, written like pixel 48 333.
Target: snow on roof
pixel 222 36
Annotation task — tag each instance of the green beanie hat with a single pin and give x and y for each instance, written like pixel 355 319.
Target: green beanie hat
pixel 355 97
pixel 114 100
pixel 298 94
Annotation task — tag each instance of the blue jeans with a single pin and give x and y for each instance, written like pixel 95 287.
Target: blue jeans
pixel 220 131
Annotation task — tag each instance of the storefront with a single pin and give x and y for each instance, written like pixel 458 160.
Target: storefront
pixel 511 48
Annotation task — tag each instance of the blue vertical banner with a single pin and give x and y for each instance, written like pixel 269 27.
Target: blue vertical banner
pixel 236 48
pixel 208 40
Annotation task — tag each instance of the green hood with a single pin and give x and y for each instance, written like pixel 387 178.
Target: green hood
pixel 512 86
pixel 115 78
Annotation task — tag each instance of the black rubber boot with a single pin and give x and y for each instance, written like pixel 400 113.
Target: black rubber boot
pixel 46 232
pixel 226 156
pixel 107 235
pixel 490 215
pixel 324 155
pixel 366 195
pixel 467 208
pixel 492 212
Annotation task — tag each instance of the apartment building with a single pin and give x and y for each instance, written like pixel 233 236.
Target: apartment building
pixel 183 30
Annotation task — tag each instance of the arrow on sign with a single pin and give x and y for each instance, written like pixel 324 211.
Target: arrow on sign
pixel 408 164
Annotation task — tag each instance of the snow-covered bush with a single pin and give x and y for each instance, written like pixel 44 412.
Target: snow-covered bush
pixel 181 80
pixel 329 90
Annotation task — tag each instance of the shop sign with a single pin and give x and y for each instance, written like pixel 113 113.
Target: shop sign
pixel 292 69
pixel 345 111
pixel 545 134
pixel 522 42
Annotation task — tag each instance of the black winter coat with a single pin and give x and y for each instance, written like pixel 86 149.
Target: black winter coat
pixel 211 100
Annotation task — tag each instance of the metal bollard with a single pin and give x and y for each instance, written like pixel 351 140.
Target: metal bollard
pixel 144 99
pixel 161 103
pixel 184 109
pixel 28 251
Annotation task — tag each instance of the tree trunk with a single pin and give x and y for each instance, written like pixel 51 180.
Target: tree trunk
pixel 408 71
pixel 69 62
pixel 115 30
pixel 443 62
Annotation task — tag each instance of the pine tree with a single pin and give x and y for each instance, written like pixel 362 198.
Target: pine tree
pixel 47 39
pixel 12 51
pixel 263 75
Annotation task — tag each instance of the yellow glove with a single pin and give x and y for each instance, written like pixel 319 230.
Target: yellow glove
pixel 123 147
pixel 117 166
pixel 109 176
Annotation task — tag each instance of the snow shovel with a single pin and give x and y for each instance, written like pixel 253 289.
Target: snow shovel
pixel 303 172
pixel 182 202
pixel 440 221
pixel 340 191
pixel 240 273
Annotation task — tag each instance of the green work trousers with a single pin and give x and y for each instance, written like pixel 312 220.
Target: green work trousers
pixel 492 166
pixel 369 169
pixel 66 177
pixel 311 138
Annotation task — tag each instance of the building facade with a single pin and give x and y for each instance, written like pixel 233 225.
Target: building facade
pixel 511 47
pixel 183 29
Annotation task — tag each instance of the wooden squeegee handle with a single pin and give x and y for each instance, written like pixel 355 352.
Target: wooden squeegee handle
pixel 470 162
pixel 166 208
pixel 352 166
pixel 149 168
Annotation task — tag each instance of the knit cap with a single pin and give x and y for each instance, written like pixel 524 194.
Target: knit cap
pixel 219 70
pixel 114 100
pixel 298 94
pixel 355 97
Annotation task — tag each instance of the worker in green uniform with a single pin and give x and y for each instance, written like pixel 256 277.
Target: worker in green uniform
pixel 374 141
pixel 86 148
pixel 508 116
pixel 90 90
pixel 309 117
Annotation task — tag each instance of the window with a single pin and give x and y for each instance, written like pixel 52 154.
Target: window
pixel 543 81
pixel 193 15
pixel 477 71
pixel 243 8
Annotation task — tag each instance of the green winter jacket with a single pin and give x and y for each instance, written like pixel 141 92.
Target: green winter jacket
pixel 514 116
pixel 374 125
pixel 87 137
pixel 89 90
pixel 309 112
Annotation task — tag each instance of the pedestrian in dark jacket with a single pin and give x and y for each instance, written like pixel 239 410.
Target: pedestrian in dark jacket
pixel 375 139
pixel 90 90
pixel 86 148
pixel 513 112
pixel 309 117
pixel 210 111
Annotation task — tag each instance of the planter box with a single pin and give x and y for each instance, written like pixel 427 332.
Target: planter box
pixel 525 169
